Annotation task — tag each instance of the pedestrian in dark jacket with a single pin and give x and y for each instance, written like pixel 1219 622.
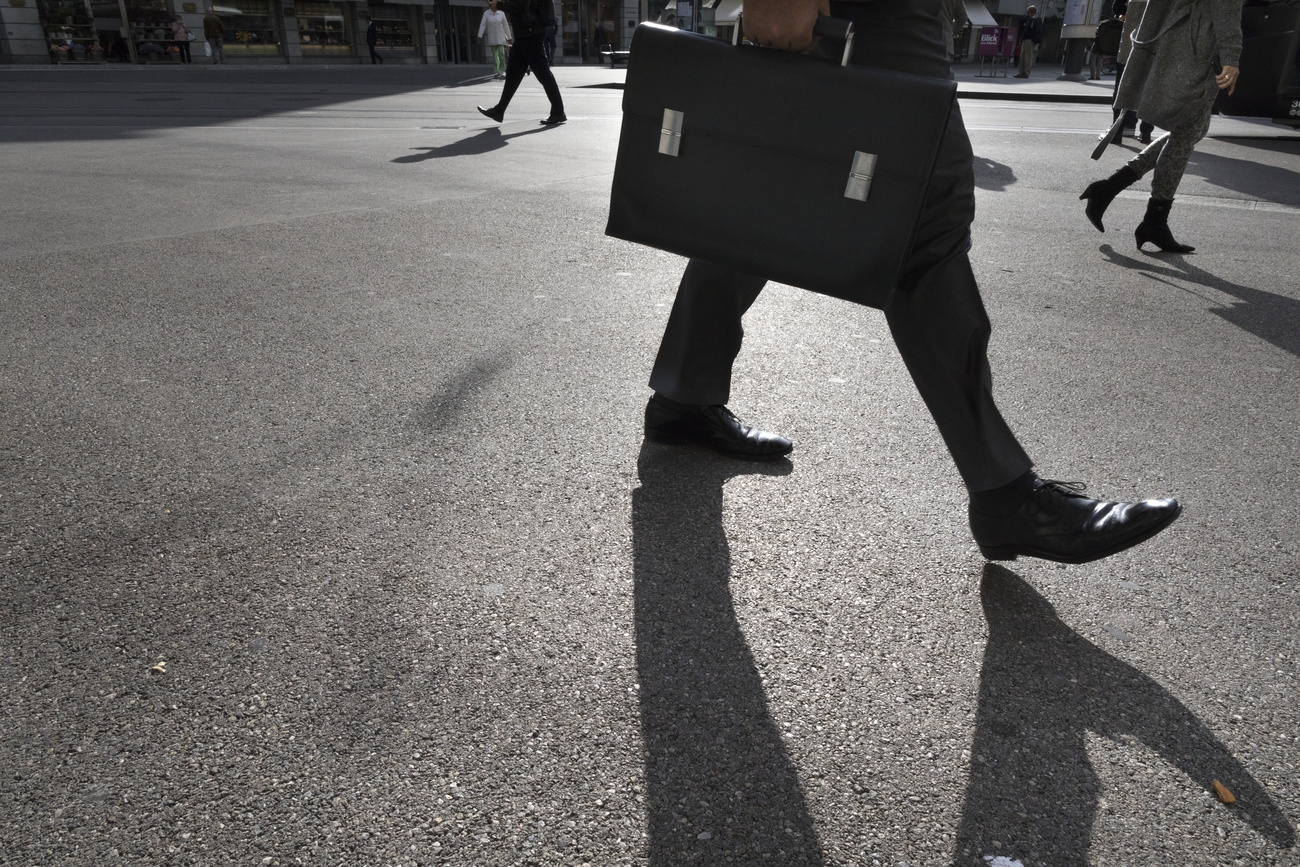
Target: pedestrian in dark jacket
pixel 214 31
pixel 372 40
pixel 1031 33
pixel 1132 14
pixel 528 21
pixel 1105 44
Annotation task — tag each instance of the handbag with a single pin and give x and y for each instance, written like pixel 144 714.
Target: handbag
pixel 779 165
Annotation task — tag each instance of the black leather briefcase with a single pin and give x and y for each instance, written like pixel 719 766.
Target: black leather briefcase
pixel 780 165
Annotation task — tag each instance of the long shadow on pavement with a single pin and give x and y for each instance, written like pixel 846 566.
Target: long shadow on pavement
pixel 1252 177
pixel 992 175
pixel 1267 315
pixel 1043 687
pixel 485 141
pixel 720 786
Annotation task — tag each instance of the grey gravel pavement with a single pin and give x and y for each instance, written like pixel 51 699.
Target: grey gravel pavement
pixel 328 535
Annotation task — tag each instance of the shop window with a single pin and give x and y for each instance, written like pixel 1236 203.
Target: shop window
pixel 393 24
pixel 588 26
pixel 69 30
pixel 323 30
pixel 151 29
pixel 249 30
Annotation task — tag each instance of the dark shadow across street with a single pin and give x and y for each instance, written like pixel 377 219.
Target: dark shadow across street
pixel 721 788
pixel 1043 689
pixel 484 141
pixel 1267 315
pixel 1252 177
pixel 993 176
pixel 127 101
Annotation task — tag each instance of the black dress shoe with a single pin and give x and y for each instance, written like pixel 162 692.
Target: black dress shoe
pixel 711 426
pixel 495 113
pixel 554 120
pixel 1056 522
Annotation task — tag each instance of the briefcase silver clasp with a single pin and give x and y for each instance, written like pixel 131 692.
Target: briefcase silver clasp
pixel 864 168
pixel 670 137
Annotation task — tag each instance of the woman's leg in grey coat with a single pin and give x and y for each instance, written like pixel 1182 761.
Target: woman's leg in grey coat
pixel 1169 154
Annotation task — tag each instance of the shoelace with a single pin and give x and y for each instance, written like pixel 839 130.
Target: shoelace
pixel 1069 489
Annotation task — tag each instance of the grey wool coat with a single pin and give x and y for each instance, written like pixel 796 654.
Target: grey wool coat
pixel 1177 47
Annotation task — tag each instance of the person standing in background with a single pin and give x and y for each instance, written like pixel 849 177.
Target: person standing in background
pixel 494 30
pixel 181 36
pixel 1031 33
pixel 1132 17
pixel 1105 44
pixel 214 31
pixel 952 15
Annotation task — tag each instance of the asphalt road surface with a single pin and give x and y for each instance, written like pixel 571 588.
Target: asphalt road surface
pixel 328 535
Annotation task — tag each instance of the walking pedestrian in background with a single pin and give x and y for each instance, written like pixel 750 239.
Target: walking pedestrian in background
pixel 528 21
pixel 214 31
pixel 494 30
pixel 1031 33
pixel 372 40
pixel 1184 53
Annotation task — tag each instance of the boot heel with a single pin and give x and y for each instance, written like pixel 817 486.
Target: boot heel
pixel 1154 228
pixel 1141 235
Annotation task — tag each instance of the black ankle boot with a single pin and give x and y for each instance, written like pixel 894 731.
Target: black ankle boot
pixel 1155 228
pixel 1100 194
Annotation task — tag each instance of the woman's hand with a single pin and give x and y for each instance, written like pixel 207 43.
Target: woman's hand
pixel 1227 79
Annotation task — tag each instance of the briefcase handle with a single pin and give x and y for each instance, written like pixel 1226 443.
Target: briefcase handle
pixel 837 29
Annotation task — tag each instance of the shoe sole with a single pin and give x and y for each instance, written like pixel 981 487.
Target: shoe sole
pixel 674 440
pixel 1011 552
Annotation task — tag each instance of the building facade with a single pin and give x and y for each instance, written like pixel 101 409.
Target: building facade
pixel 291 31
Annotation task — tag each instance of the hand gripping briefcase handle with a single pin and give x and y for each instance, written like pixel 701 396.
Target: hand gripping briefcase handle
pixel 833 162
pixel 826 27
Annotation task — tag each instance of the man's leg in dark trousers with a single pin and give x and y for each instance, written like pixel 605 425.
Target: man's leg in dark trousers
pixel 703 335
pixel 942 332
pixel 524 54
pixel 937 319
pixel 939 325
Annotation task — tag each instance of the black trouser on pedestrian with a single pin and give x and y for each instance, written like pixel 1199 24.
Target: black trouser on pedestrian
pixel 184 48
pixel 374 55
pixel 1131 117
pixel 937 319
pixel 527 53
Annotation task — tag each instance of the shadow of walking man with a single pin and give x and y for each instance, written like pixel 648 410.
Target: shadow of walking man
pixel 1042 688
pixel 720 786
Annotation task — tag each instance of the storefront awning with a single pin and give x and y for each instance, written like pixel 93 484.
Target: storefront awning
pixel 978 14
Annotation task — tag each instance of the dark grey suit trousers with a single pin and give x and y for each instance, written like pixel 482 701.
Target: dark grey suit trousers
pixel 937 319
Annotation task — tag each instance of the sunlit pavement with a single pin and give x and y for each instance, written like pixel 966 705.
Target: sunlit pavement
pixel 329 536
